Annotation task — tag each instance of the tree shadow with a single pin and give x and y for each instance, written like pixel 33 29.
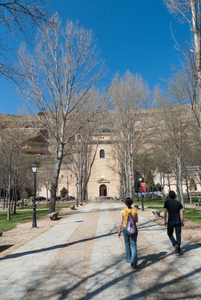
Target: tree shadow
pixel 64 290
pixel 5 247
pixel 60 246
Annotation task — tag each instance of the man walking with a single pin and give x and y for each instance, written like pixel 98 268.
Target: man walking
pixel 174 209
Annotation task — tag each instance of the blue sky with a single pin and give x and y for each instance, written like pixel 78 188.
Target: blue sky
pixel 132 35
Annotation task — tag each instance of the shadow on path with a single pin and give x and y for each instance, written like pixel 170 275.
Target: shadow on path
pixel 15 255
pixel 62 292
pixel 5 247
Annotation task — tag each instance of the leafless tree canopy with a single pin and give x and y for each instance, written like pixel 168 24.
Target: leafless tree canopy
pixel 57 78
pixel 130 96
pixel 189 11
pixel 18 18
pixel 181 9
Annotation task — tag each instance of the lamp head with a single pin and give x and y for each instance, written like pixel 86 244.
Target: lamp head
pixel 34 168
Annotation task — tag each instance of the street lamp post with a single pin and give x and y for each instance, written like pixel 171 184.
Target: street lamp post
pixel 77 185
pixel 142 203
pixel 34 170
pixel 123 191
pixel 86 194
pixel 140 180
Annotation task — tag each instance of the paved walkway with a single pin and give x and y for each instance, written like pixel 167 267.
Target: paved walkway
pixel 82 258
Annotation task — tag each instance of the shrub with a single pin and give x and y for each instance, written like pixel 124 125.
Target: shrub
pixel 63 192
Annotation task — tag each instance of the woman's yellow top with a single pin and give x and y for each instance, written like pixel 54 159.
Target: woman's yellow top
pixel 125 212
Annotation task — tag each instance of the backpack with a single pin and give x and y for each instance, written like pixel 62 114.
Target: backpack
pixel 131 228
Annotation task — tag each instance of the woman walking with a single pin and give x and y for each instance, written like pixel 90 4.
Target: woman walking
pixel 130 240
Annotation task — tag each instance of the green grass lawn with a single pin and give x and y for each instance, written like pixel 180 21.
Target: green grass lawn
pixel 23 216
pixel 19 217
pixel 44 205
pixel 161 202
pixel 150 202
pixel 190 213
pixel 194 200
pixel 193 214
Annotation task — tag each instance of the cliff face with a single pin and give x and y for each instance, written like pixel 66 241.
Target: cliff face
pixel 35 145
pixel 33 133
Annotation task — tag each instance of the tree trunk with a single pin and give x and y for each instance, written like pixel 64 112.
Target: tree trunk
pixel 197 43
pixel 15 203
pixel 162 182
pixel 22 199
pixel 47 195
pixel 187 190
pixel 80 191
pixel 11 209
pixel 168 178
pixel 55 179
pixel 9 184
pixel 4 198
pixel 179 167
pixel 130 176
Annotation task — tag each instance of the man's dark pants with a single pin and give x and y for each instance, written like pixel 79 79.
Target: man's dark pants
pixel 170 229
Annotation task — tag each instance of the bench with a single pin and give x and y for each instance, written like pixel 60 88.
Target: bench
pixel 53 215
pixel 72 207
pixel 198 203
pixel 136 206
pixel 156 212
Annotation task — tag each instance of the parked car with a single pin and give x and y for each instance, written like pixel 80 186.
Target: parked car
pixel 167 195
pixel 57 198
pixel 139 194
pixel 39 198
pixel 154 195
pixel 68 198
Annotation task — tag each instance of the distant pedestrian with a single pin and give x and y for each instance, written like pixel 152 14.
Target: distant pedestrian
pixel 174 209
pixel 130 240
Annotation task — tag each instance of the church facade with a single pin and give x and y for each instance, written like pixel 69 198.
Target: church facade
pixel 104 179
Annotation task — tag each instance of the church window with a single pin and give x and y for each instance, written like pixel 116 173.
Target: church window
pixel 102 154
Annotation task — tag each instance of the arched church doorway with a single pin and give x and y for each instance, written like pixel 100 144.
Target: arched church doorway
pixel 103 190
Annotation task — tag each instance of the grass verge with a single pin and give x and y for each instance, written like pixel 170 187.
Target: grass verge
pixel 19 217
pixel 193 215
pixel 44 205
pixel 155 201
pixel 190 213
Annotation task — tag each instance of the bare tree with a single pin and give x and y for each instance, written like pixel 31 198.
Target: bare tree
pixel 174 128
pixel 45 175
pixel 11 141
pixel 18 18
pixel 189 11
pixel 130 96
pixel 58 75
pixel 84 146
